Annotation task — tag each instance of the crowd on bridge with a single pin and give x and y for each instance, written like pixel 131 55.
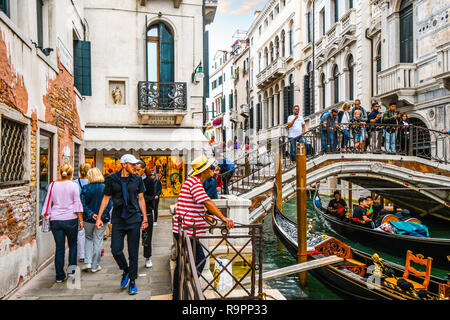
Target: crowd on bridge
pixel 371 130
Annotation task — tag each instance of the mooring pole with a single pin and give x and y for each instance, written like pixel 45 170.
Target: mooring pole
pixel 278 181
pixel 301 209
pixel 350 198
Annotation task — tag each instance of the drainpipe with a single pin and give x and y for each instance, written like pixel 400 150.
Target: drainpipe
pixel 371 65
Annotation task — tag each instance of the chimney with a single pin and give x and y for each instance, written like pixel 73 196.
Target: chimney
pixel 257 12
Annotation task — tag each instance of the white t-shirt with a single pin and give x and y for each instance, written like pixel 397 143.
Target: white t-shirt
pixel 296 128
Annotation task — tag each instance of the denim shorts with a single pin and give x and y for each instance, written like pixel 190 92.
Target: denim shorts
pixel 359 137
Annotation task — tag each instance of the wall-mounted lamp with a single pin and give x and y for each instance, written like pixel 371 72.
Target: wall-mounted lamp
pixel 198 74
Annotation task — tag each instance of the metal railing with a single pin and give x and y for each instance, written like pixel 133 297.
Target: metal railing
pixel 257 168
pixel 191 280
pixel 162 95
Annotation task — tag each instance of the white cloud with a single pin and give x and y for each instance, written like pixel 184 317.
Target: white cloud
pixel 247 6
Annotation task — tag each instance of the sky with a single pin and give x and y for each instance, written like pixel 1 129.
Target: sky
pixel 231 15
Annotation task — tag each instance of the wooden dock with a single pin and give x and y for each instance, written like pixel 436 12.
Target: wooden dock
pixel 296 268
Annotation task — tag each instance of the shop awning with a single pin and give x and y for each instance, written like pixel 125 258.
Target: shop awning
pixel 145 139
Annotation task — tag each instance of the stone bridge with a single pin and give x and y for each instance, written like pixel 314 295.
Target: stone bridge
pixel 421 185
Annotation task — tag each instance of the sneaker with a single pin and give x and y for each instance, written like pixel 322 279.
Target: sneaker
pixel 96 269
pixel 62 280
pixel 132 289
pixel 148 263
pixel 86 267
pixel 124 281
pixel 155 223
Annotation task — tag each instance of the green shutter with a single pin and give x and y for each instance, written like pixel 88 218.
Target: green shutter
pixel 4 6
pixel 306 96
pixel 286 101
pixel 251 118
pixel 82 67
pixel 223 105
pixel 258 116
pixel 166 54
pixel 231 100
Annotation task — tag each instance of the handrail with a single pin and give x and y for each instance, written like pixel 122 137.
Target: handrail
pixel 410 140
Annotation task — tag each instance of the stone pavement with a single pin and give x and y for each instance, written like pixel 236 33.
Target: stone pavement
pixel 152 283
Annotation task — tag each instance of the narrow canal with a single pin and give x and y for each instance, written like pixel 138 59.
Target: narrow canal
pixel 275 255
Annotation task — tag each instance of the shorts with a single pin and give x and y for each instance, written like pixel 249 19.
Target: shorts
pixel 359 137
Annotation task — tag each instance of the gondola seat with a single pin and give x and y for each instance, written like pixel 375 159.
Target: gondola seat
pixel 419 259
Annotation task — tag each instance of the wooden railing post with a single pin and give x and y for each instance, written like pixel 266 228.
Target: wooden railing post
pixel 301 209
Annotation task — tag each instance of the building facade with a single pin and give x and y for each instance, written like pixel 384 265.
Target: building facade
pixel 275 62
pixel 147 94
pixel 411 41
pixel 41 90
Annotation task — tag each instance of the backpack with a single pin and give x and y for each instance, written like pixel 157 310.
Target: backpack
pixel 323 114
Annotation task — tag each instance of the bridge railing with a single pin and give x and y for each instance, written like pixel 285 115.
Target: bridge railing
pixel 244 251
pixel 256 167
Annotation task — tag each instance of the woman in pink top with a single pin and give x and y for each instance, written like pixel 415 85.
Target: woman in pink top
pixel 64 207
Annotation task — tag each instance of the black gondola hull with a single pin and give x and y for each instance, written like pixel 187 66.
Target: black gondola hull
pixel 395 244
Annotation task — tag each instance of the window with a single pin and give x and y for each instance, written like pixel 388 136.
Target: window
pixel 160 53
pixel 4 6
pixel 45 165
pixel 82 66
pixel 76 160
pixel 351 76
pixel 323 91
pixel 406 32
pixel 12 154
pixel 322 20
pixel 308 88
pixel 40 27
pixel 309 26
pixel 350 4
pixel 378 58
pixel 283 43
pixel 220 80
pixel 260 30
pixel 291 39
pixel 336 84
pixel 335 6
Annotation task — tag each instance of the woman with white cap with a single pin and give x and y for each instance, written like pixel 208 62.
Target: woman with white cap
pixel 191 205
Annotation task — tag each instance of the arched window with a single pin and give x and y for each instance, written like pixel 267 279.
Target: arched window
pixel 351 77
pixel 291 38
pixel 160 53
pixel 266 57
pixel 336 84
pixel 406 32
pixel 277 47
pixel 283 43
pixel 271 52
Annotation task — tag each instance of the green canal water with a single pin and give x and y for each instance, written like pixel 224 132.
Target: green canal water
pixel 276 256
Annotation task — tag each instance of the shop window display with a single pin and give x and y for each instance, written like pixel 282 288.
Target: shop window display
pixel 90 159
pixel 170 171
pixel 111 164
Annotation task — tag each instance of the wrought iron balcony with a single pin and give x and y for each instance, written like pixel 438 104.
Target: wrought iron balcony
pixel 162 95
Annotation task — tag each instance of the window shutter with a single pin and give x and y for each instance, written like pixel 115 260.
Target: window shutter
pixel 258 116
pixel 406 35
pixel 82 67
pixel 307 96
pixel 166 54
pixel 251 118
pixel 4 7
pixel 223 105
pixel 231 100
pixel 286 100
pixel 309 27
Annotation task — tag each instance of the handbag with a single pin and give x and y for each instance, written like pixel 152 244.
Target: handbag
pixel 46 220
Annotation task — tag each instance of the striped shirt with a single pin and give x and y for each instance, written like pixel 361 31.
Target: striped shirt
pixel 190 207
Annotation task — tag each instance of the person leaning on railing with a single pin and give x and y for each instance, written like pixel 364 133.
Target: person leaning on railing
pixel 390 118
pixel 374 119
pixel 191 205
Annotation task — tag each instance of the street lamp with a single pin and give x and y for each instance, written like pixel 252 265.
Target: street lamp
pixel 198 74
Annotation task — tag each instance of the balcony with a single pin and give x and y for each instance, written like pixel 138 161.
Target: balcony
pixel 162 103
pixel 333 33
pixel 400 81
pixel 244 110
pixel 348 23
pixel 271 72
pixel 443 65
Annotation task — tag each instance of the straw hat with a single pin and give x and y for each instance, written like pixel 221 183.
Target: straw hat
pixel 200 164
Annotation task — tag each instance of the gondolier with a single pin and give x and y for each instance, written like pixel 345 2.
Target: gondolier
pixel 191 205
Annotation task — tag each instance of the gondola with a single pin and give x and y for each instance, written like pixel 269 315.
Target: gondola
pixel 437 248
pixel 359 275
